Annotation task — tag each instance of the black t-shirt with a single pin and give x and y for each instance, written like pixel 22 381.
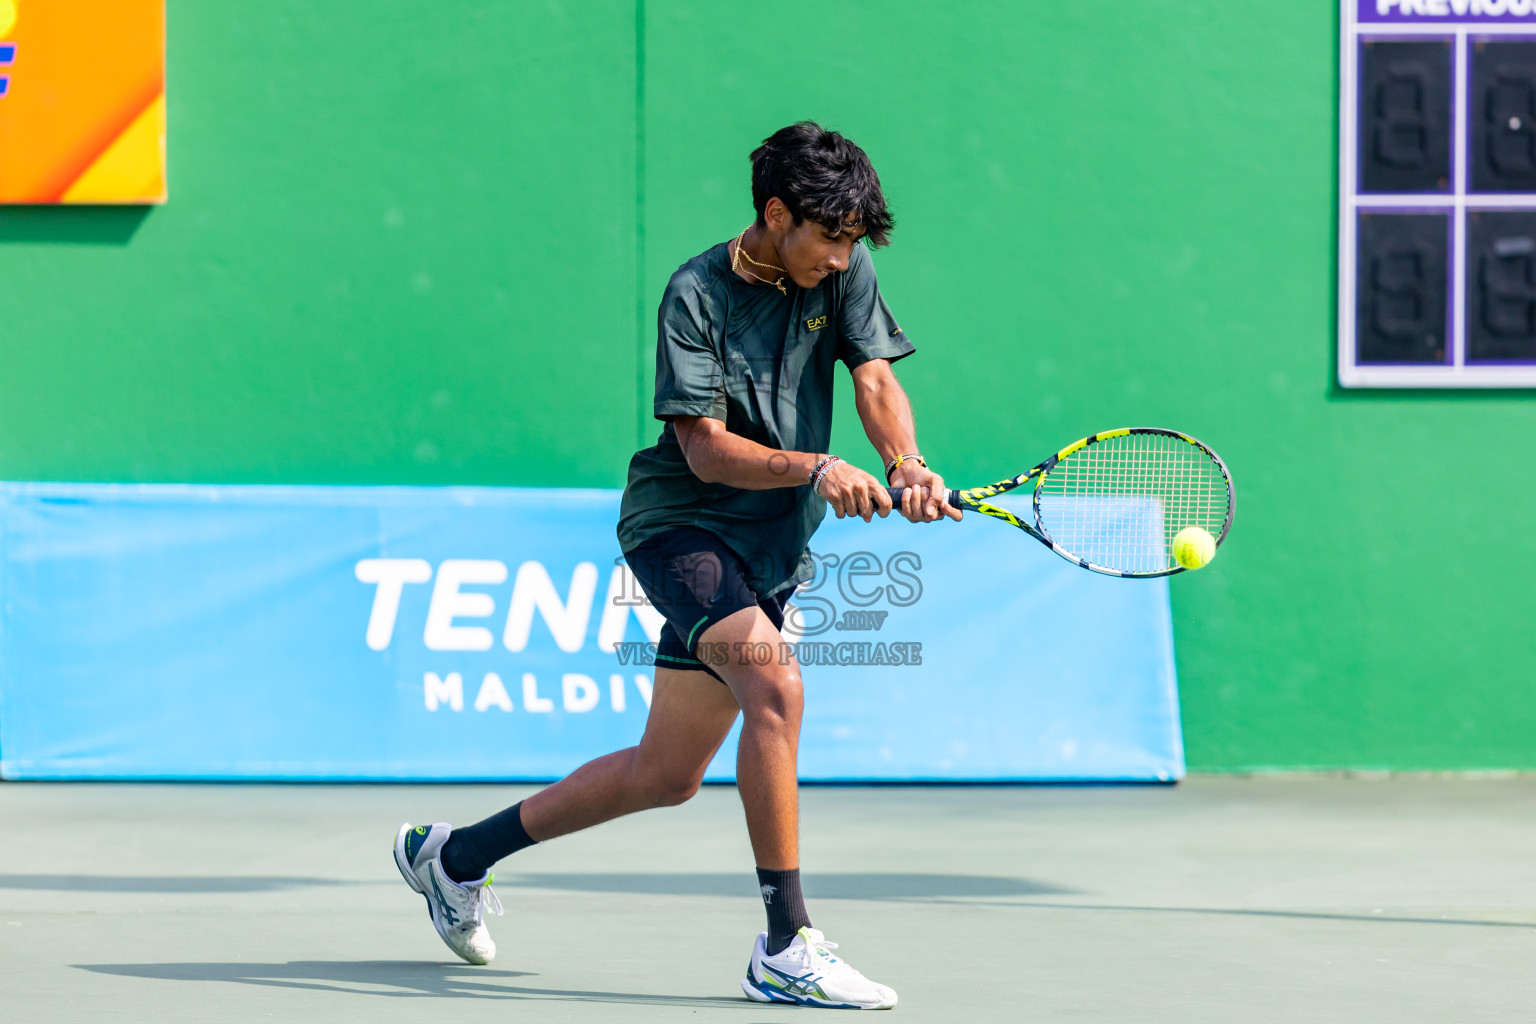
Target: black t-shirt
pixel 762 362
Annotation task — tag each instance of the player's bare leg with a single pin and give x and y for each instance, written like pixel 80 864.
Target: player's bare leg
pixel 691 713
pixel 772 701
pixel 792 962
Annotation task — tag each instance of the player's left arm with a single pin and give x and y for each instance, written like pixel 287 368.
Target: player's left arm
pixel 887 417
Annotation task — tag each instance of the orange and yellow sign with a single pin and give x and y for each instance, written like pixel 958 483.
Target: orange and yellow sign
pixel 82 101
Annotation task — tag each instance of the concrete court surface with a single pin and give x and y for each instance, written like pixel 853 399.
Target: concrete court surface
pixel 1222 900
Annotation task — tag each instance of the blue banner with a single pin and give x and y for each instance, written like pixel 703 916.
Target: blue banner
pixel 485 633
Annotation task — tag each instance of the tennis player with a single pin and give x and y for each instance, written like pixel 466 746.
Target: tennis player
pixel 715 523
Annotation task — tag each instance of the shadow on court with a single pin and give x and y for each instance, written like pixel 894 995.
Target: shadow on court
pixel 162 884
pixel 827 886
pixel 394 979
pixel 818 885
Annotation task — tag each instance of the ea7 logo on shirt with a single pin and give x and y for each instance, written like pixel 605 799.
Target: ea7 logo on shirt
pixel 816 323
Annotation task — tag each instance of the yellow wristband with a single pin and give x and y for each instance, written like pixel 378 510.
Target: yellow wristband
pixel 898 460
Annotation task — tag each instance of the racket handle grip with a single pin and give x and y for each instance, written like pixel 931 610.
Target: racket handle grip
pixel 895 493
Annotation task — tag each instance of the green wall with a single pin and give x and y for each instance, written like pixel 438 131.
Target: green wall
pixel 422 244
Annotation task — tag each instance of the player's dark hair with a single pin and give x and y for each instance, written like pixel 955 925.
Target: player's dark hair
pixel 821 175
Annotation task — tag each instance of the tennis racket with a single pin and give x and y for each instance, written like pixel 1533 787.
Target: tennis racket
pixel 1112 503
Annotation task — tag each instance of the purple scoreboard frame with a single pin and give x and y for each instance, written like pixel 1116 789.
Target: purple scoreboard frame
pixel 1462 23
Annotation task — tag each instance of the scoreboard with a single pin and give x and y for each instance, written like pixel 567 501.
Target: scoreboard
pixel 1437 187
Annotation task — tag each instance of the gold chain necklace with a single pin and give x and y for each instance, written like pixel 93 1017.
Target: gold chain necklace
pixel 741 254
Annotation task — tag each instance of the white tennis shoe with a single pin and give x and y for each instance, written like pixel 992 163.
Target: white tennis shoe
pixel 806 973
pixel 455 906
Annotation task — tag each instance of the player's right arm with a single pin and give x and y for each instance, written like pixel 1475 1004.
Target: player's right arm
pixel 717 456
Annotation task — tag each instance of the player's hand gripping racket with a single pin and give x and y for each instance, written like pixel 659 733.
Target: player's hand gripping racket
pixel 1114 502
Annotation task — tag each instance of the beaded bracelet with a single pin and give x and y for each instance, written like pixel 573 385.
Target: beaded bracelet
pixel 898 460
pixel 821 470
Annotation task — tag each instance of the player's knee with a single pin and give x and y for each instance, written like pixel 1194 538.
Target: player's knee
pixel 777 700
pixel 669 790
pixel 678 791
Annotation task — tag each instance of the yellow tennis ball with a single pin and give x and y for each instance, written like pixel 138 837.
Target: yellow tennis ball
pixel 1193 548
pixel 7 16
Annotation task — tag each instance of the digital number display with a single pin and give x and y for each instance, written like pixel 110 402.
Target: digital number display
pixel 1437 220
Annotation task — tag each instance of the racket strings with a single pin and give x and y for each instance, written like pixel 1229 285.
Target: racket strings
pixel 1119 502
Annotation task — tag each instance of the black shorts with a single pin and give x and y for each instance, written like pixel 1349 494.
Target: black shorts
pixel 694 580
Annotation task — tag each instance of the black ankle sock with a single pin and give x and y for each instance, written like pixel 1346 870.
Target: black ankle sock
pixel 471 851
pixel 786 907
